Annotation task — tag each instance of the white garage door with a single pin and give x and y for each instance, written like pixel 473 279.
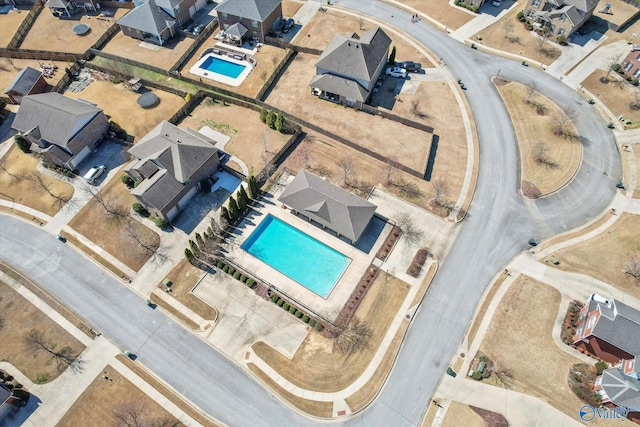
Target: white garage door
pixel 200 4
pixel 80 157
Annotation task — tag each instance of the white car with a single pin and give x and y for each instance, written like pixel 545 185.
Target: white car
pixel 396 72
pixel 496 3
pixel 94 173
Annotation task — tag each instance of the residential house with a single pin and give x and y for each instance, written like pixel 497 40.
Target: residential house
pixel 169 164
pixel 332 207
pixel 248 19
pixel 29 81
pixel 349 67
pixel 631 63
pixel 559 17
pixel 610 331
pixel 63 130
pixel 61 8
pixel 5 405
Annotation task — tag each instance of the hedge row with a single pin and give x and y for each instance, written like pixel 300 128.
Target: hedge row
pixel 299 314
pixel 231 271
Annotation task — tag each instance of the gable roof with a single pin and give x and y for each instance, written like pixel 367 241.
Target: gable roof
pixel 24 81
pixel 237 30
pixel 168 157
pixel 256 10
pixel 621 389
pixel 356 57
pixel 57 3
pixel 618 324
pixel 57 118
pixel 148 17
pixel 583 6
pixel 339 85
pixel 341 211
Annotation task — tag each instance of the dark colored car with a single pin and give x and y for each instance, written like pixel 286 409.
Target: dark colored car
pixel 411 66
pixel 188 26
pixel 198 29
pixel 288 25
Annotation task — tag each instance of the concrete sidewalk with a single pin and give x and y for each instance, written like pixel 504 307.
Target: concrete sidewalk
pixel 596 60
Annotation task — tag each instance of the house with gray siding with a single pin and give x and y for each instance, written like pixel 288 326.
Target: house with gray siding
pixel 169 163
pixel 63 130
pixel 349 67
pixel 250 19
pixel 332 207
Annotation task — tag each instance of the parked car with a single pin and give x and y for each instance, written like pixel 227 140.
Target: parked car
pixel 410 66
pixel 496 3
pixel 94 173
pixel 288 25
pixel 198 29
pixel 396 72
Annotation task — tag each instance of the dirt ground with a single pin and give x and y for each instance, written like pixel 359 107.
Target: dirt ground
pixel 9 69
pixel 616 97
pixel 315 366
pixel 539 367
pixel 10 23
pixel 119 104
pixel 184 277
pixel 520 41
pixel 410 146
pixel 20 317
pixel 21 190
pixel 99 227
pixel 54 34
pixel 163 57
pixel 621 11
pixel 531 129
pixel 248 134
pixel 266 59
pixel 606 255
pixel 460 414
pixel 440 10
pixel 289 8
pixel 103 397
pixel 318 32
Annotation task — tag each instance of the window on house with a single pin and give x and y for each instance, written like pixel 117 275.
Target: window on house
pixel 638 58
pixel 225 16
pixel 535 3
pixel 628 66
pixel 530 14
pixel 561 31
pixel 226 26
pixel 637 74
pixel 548 7
pixel 254 24
pixel 177 9
pixel 552 27
pixel 563 17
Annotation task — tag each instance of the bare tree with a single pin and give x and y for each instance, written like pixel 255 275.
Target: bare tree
pixel 36 342
pixel 305 154
pixel 541 156
pixel 440 191
pixel 610 64
pixel 542 40
pixel 532 90
pixel 415 108
pixel 354 337
pixel 131 413
pixel 39 182
pixel 563 119
pixel 508 28
pixel 503 376
pixel 156 251
pixel 4 167
pixel 1 323
pixel 112 206
pixel 411 232
pixel 346 167
pixel 389 171
pixel 633 268
pixel 635 104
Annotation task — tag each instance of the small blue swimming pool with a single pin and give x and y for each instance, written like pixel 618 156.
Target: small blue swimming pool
pixel 220 66
pixel 297 255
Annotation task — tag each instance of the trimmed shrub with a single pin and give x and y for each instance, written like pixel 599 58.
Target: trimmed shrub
pixel 476 376
pixel 161 223
pixel 286 306
pixel 225 269
pixel 392 56
pixel 280 302
pixel 243 278
pixel 280 123
pixel 305 319
pixel 271 120
pixel 601 366
pixel 292 309
pixel 219 264
pixel 224 213
pixel 23 144
pixel 274 298
pixel 520 16
pixel 263 115
pixel 242 201
pixel 250 282
pixel 189 255
pixel 236 275
pixel 253 187
pixel 312 322
pixel 247 285
pixel 299 314
pixel 232 270
pixel 319 327
pixel 127 180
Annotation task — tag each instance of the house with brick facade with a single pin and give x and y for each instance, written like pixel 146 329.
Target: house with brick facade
pixel 560 18
pixel 610 331
pixel 248 19
pixel 63 130
pixel 28 81
pixel 631 63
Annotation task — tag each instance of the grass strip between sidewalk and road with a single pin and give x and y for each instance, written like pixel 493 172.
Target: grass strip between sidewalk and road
pixel 94 256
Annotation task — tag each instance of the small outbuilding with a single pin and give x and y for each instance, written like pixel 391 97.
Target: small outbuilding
pixel 29 81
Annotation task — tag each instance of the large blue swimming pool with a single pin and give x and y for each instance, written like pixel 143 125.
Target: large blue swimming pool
pixel 220 66
pixel 297 255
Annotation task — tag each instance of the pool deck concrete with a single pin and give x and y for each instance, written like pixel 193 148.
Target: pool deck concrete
pixel 327 307
pixel 196 70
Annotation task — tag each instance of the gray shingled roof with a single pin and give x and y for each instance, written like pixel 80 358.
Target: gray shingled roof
pixel 60 4
pixel 619 325
pixel 583 6
pixel 148 17
pixel 355 57
pixel 339 85
pixel 24 81
pixel 57 118
pixel 237 30
pixel 176 153
pixel 256 10
pixel 331 206
pixel 623 390
pixel 5 393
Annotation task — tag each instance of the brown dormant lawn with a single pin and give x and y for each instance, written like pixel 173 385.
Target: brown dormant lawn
pixel 450 16
pixel 290 7
pixel 617 97
pixel 249 136
pixel 520 41
pixel 606 256
pixel 316 366
pixel 562 155
pixel 121 106
pixel 20 317
pixel 184 277
pixel 19 188
pixel 10 23
pixel 9 68
pixel 94 223
pixel 55 34
pixel 106 397
pixel 540 368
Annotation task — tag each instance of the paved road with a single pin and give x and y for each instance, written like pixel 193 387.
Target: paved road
pixel 497 228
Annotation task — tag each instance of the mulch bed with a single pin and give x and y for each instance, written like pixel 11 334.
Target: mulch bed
pixel 418 261
pixel 530 190
pixel 493 419
pixel 389 243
